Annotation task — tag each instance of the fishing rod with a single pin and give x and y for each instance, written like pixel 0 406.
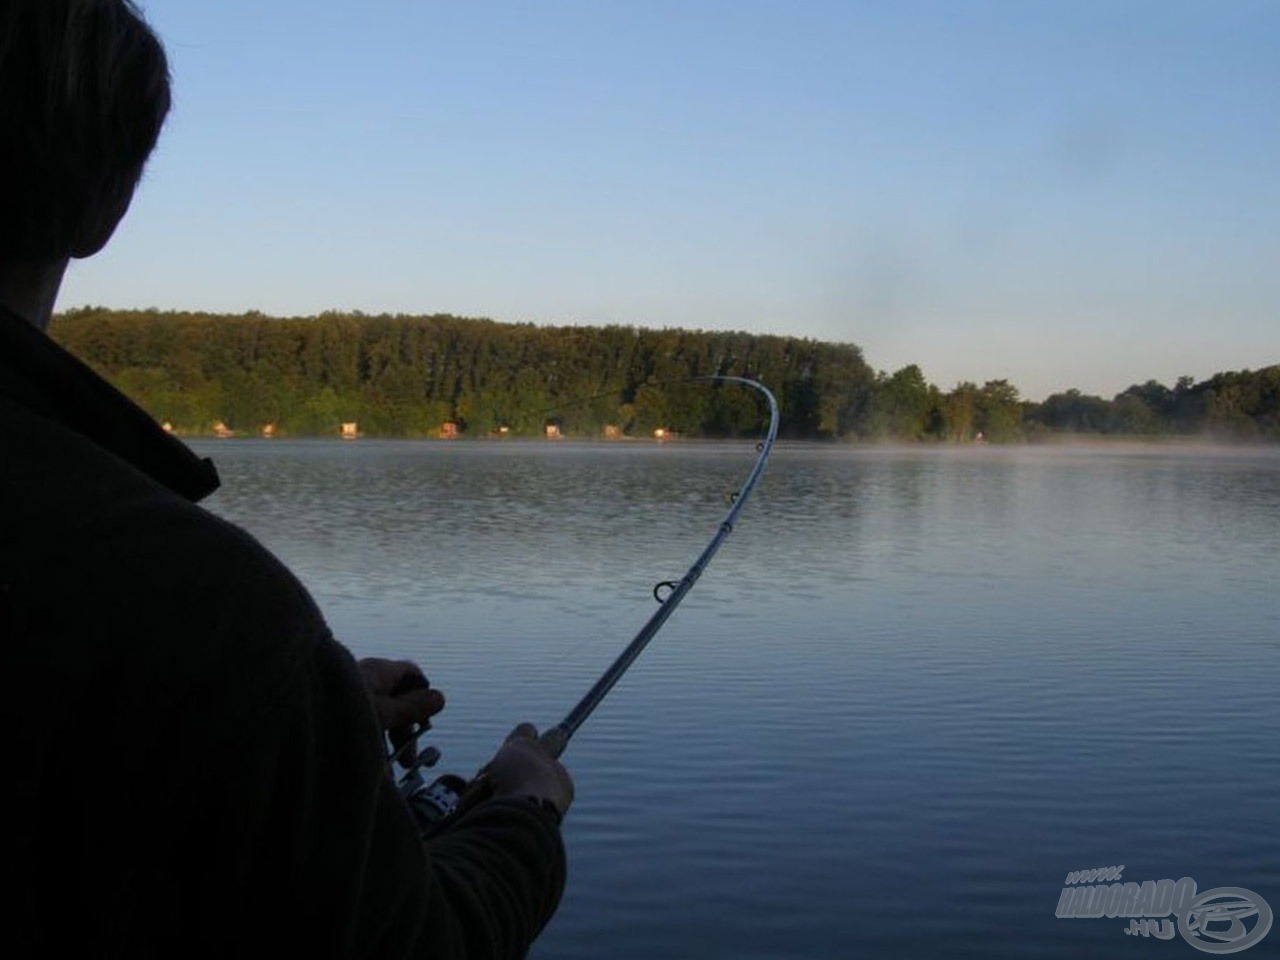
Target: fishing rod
pixel 668 593
pixel 434 801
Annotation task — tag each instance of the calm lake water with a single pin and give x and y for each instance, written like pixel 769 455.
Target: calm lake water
pixel 916 688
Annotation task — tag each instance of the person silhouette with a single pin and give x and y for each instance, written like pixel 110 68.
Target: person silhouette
pixel 197 767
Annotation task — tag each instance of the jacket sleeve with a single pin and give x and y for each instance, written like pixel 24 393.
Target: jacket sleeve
pixel 325 834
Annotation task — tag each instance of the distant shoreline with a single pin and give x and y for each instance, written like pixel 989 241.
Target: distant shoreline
pixel 458 377
pixel 1095 441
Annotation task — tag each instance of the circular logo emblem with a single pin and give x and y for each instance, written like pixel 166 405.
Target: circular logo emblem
pixel 1215 921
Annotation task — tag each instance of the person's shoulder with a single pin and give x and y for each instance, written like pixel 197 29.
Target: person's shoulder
pixel 202 582
pixel 100 559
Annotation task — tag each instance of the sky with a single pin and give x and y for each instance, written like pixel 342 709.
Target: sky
pixel 1061 194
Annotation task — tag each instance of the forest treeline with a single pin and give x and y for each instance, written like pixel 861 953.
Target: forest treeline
pixel 409 376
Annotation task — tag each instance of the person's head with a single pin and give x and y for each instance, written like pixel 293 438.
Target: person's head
pixel 84 89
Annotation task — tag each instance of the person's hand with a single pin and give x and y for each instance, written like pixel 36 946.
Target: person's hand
pixel 401 696
pixel 522 767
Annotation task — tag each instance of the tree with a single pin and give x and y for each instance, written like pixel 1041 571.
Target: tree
pixel 902 405
pixel 999 411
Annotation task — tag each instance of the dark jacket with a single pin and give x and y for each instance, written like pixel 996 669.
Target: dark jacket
pixel 193 767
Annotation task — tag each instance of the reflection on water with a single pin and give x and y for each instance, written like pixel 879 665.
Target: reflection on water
pixel 914 690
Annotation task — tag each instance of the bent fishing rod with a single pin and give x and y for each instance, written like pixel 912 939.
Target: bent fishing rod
pixel 668 593
pixel 436 800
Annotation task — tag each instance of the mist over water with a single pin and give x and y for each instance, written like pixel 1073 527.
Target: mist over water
pixel 915 689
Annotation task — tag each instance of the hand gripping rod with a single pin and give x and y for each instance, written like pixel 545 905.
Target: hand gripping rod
pixel 557 738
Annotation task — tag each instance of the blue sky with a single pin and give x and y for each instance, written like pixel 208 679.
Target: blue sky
pixel 1056 193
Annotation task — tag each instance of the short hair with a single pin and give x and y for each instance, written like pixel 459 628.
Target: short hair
pixel 84 90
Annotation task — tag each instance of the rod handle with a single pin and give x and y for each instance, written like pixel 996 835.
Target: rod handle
pixel 554 741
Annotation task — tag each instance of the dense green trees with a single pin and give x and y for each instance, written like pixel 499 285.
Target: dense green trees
pixel 406 376
pixel 1240 405
pixel 904 406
